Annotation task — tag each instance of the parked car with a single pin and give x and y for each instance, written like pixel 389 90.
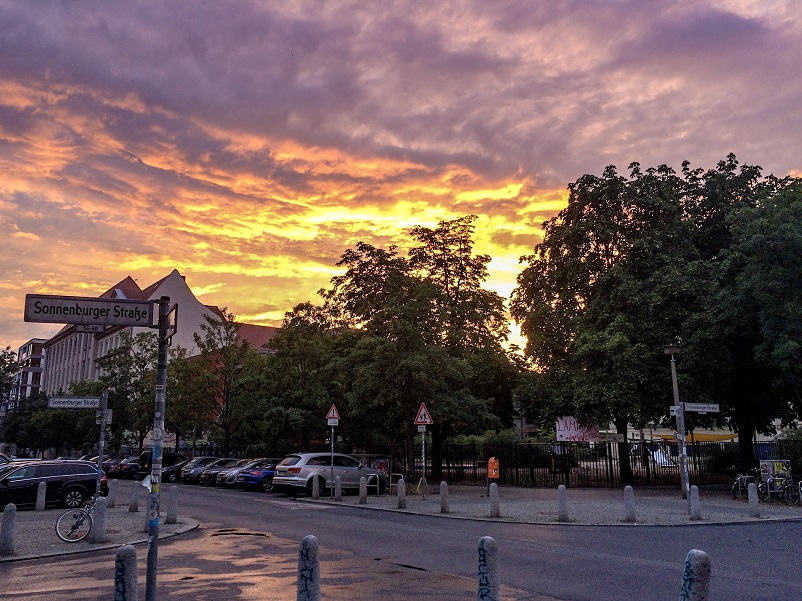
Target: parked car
pixel 171 465
pixel 194 467
pixel 259 475
pixel 4 459
pixel 68 483
pixel 111 461
pixel 296 473
pixel 209 474
pixel 228 475
pixel 127 468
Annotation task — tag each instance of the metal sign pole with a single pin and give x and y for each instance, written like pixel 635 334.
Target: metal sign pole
pixel 423 461
pixel 331 481
pixel 104 405
pixel 158 443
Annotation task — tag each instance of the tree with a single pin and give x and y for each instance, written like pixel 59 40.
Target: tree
pixel 129 372
pixel 601 295
pixel 187 382
pixel 224 357
pixel 8 367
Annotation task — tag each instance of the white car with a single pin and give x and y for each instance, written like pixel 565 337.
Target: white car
pixel 296 473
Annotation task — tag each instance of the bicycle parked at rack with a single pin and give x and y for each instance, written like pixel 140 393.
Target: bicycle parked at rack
pixel 741 487
pixel 792 492
pixel 74 525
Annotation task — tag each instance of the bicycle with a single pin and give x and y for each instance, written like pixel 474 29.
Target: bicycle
pixel 741 487
pixel 792 493
pixel 74 525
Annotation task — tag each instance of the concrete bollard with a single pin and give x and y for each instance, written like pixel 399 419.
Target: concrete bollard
pixel 41 491
pixel 133 500
pixel 402 494
pixel 172 504
pixel 489 581
pixel 696 506
pixel 562 504
pixel 125 584
pixel 696 577
pixel 363 491
pixel 338 489
pixel 98 532
pixel 495 508
pixel 629 504
pixel 8 530
pixel 111 498
pixel 754 502
pixel 444 508
pixel 308 570
pixel 316 488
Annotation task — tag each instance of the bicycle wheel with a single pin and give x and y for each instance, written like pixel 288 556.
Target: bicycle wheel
pixel 762 491
pixel 791 494
pixel 736 490
pixel 73 526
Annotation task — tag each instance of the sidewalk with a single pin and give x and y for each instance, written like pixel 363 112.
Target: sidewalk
pixel 35 534
pixel 36 537
pixel 586 506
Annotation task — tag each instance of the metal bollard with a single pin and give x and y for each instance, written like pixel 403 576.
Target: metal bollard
pixel 489 581
pixel 495 508
pixel 98 532
pixel 629 504
pixel 8 530
pixel 338 489
pixel 562 504
pixel 444 508
pixel 696 506
pixel 696 577
pixel 402 494
pixel 363 491
pixel 111 498
pixel 133 500
pixel 172 504
pixel 308 570
pixel 125 584
pixel 41 490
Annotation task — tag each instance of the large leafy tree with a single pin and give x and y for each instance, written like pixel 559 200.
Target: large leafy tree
pixel 225 359
pixel 129 372
pixel 602 293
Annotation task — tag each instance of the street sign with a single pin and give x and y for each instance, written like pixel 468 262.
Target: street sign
pixel 44 308
pixel 99 416
pixel 172 323
pixel 333 416
pixel 702 407
pixel 673 410
pixel 423 418
pixel 73 402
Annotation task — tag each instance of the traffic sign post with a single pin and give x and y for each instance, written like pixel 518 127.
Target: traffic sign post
pixel 423 419
pixel 333 417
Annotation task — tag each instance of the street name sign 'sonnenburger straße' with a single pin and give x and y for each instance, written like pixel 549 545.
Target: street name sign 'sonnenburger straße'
pixel 93 311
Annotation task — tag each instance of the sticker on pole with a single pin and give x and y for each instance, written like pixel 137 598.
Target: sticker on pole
pixel 423 418
pixel 333 416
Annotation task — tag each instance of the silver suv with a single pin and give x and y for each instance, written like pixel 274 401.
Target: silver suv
pixel 296 473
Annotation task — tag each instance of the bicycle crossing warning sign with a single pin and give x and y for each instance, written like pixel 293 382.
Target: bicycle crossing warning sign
pixel 423 418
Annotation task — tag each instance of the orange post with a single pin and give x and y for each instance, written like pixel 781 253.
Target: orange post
pixel 492 472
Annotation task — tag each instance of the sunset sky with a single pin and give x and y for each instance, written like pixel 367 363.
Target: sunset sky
pixel 249 144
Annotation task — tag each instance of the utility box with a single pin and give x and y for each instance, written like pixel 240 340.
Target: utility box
pixel 492 468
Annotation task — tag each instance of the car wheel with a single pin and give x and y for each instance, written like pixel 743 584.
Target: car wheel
pixel 172 477
pixel 74 497
pixel 266 484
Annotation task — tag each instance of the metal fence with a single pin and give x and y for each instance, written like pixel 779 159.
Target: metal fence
pixel 592 464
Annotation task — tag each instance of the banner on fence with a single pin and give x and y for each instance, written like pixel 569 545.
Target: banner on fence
pixel 570 430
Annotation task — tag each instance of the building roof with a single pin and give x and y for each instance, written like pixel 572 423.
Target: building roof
pixel 255 335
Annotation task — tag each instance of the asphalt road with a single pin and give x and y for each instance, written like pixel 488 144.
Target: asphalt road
pixel 247 548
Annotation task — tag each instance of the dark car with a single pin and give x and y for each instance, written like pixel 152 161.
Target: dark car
pixel 171 465
pixel 4 459
pixel 193 468
pixel 209 475
pixel 127 468
pixel 111 461
pixel 68 483
pixel 258 476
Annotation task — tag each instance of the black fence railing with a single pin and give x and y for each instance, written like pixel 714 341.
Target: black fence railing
pixel 591 464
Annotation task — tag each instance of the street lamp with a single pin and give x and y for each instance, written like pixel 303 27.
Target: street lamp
pixel 672 350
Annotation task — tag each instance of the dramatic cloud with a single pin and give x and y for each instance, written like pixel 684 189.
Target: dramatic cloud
pixel 249 144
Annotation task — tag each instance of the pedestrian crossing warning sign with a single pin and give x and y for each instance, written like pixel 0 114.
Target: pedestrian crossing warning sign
pixel 423 418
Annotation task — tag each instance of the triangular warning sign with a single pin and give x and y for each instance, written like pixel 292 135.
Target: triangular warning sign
pixel 423 418
pixel 333 413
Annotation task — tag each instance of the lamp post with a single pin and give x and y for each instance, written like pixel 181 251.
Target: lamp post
pixel 672 350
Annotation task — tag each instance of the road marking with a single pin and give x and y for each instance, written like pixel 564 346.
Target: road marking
pixel 294 505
